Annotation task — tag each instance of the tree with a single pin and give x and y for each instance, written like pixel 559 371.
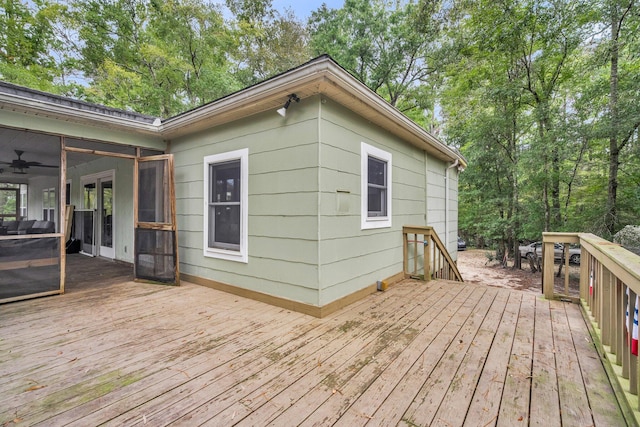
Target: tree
pixel 485 116
pixel 270 42
pixel 26 42
pixel 155 57
pixel 389 46
pixel 624 121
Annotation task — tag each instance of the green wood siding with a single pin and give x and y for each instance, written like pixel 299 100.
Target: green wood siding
pixel 305 238
pixel 351 258
pixel 283 202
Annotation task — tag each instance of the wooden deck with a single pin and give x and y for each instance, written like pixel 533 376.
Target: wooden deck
pixel 442 354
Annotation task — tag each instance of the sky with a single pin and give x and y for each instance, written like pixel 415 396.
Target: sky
pixel 303 8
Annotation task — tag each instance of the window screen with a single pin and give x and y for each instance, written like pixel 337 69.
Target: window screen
pixel 224 205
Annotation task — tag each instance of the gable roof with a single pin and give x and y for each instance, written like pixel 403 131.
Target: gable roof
pixel 321 75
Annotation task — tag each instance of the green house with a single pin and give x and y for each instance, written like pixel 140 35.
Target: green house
pixel 293 191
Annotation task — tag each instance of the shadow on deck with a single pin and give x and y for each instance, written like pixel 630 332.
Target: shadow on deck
pixel 437 353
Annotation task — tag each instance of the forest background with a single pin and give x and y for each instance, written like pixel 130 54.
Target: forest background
pixel 540 96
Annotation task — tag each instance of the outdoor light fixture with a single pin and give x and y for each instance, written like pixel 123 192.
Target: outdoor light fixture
pixel 283 111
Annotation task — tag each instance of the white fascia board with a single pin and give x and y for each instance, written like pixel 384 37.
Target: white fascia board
pixel 257 94
pixel 76 115
pixel 373 100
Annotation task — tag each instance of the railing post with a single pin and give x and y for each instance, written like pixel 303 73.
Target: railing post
pixel 405 254
pixel 585 261
pixel 565 259
pixel 547 269
pixel 427 257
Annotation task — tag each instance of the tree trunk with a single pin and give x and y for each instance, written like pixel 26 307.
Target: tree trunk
pixel 517 262
pixel 611 215
pixel 556 218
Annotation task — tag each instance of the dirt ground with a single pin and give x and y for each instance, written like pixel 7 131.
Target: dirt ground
pixel 477 266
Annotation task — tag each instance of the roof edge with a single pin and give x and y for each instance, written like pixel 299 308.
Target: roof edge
pixel 320 71
pixel 27 100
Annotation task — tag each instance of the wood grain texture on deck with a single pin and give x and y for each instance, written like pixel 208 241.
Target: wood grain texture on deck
pixel 439 353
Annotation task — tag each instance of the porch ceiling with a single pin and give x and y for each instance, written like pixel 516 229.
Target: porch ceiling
pixel 42 148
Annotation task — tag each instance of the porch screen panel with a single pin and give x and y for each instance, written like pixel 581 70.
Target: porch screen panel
pixel 156 256
pixel 153 197
pixel 29 266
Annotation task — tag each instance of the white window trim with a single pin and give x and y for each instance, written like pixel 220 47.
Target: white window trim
pixel 242 255
pixel 368 222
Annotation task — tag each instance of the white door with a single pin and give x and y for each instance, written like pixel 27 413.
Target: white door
pixel 85 218
pixel 98 229
pixel 106 214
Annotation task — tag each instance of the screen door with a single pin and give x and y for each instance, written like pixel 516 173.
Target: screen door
pixel 156 249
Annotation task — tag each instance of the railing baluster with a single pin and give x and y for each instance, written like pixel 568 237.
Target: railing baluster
pixel 437 262
pixel 585 260
pixel 428 250
pixel 633 359
pixel 605 307
pixel 405 253
pixel 619 324
pixel 597 280
pixel 628 322
pixel 415 254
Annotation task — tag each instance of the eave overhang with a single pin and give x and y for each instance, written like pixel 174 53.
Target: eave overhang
pixel 35 103
pixel 321 76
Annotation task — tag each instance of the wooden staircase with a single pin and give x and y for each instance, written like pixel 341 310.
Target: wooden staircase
pixel 423 249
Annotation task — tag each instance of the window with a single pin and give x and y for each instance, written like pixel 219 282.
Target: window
pixel 376 187
pixel 49 204
pixel 226 205
pixel 10 199
pixel 23 201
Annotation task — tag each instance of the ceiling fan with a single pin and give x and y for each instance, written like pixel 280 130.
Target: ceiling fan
pixel 19 165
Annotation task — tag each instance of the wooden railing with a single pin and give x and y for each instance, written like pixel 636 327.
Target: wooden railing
pixel 609 283
pixel 428 255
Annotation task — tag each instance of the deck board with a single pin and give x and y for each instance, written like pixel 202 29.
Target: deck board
pixel 515 409
pixel 574 404
pixel 437 353
pixel 545 403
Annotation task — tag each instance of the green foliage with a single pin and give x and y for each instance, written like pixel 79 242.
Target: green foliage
pixel 269 42
pixel 527 96
pixel 26 42
pixel 540 96
pixel 390 46
pixel 154 57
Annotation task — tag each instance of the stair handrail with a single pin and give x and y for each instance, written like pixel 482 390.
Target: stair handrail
pixel 430 236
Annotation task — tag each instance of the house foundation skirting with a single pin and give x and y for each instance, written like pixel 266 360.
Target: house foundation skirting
pixel 296 306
